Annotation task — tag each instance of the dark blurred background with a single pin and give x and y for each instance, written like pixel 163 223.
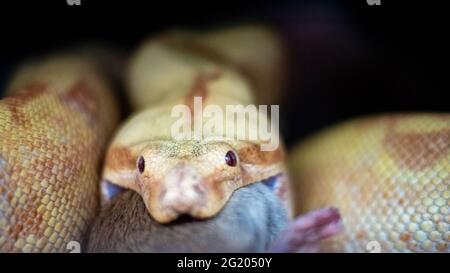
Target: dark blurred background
pixel 350 58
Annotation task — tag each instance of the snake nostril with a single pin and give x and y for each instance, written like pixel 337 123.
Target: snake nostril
pixel 199 190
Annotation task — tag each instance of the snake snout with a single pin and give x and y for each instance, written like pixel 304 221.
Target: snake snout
pixel 182 193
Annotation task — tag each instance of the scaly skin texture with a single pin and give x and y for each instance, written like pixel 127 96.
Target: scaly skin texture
pixel 252 51
pixel 388 175
pixel 54 124
pixel 191 176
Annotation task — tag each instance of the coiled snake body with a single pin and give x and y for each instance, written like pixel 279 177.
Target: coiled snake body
pixel 389 175
pixel 53 128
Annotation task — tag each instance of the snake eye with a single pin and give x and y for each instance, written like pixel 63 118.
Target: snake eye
pixel 231 158
pixel 141 164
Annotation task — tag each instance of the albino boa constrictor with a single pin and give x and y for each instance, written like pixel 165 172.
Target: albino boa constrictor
pixel 389 176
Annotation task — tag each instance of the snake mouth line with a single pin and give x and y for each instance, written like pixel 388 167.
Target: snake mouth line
pixel 184 219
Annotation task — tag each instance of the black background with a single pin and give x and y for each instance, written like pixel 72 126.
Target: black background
pixel 350 59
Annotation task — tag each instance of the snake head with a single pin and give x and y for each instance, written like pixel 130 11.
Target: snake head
pixel 194 178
